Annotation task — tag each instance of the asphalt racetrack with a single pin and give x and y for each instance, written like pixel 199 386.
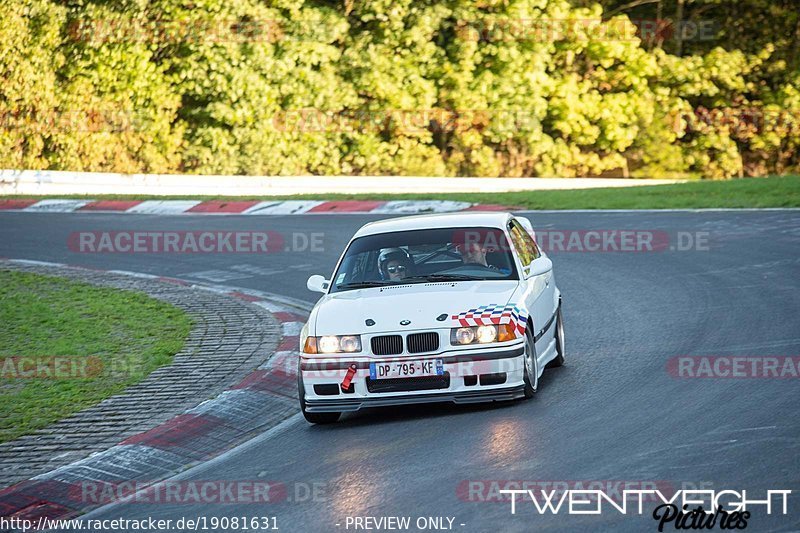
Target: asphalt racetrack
pixel 720 285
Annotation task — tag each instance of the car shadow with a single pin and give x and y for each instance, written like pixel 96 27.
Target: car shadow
pixel 388 415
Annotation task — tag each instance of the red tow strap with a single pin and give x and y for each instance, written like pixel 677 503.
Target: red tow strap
pixel 351 372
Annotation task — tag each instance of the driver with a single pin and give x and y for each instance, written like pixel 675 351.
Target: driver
pixel 473 253
pixel 394 264
pixel 474 244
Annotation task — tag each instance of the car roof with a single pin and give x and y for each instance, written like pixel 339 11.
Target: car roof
pixel 477 219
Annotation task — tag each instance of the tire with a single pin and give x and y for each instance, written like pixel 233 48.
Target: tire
pixel 559 359
pixel 314 418
pixel 530 366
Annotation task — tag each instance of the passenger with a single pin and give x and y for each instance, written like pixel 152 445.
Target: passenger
pixel 394 264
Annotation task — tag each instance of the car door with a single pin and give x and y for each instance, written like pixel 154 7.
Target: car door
pixel 540 295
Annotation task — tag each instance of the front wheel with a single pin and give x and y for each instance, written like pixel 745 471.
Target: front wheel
pixel 559 359
pixel 531 370
pixel 314 418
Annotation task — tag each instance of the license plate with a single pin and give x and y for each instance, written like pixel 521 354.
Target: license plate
pixel 406 369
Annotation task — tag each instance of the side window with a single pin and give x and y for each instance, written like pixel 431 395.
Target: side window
pixel 526 247
pixel 357 268
pixel 531 243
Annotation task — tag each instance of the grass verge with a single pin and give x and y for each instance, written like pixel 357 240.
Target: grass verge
pixel 66 345
pixel 775 191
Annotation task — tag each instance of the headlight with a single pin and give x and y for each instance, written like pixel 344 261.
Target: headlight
pixel 486 333
pixel 464 335
pixel 329 344
pixel 350 343
pixel 333 344
pixel 482 334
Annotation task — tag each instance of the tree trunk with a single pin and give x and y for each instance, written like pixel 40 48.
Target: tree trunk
pixel 679 28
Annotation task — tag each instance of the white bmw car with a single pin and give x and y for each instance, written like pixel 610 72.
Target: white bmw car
pixel 434 308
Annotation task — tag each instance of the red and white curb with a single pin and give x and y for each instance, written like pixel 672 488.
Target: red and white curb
pixel 217 207
pixel 263 399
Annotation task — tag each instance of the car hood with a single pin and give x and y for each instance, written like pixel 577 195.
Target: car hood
pixel 344 313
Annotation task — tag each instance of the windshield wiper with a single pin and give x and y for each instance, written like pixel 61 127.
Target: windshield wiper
pixel 444 277
pixel 363 284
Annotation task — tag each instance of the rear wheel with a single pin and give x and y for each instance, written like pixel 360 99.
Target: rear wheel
pixel 531 370
pixel 314 418
pixel 559 359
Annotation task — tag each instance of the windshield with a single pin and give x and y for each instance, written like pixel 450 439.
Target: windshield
pixel 419 256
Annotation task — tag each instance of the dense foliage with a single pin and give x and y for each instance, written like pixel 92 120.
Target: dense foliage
pixel 512 88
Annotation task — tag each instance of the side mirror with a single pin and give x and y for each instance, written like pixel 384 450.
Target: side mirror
pixel 540 266
pixel 317 283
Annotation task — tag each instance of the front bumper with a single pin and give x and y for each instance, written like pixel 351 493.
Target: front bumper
pixel 477 375
pixel 354 404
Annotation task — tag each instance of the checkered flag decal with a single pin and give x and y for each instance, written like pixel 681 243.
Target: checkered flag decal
pixel 494 314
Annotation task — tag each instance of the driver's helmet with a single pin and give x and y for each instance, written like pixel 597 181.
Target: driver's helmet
pixel 392 254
